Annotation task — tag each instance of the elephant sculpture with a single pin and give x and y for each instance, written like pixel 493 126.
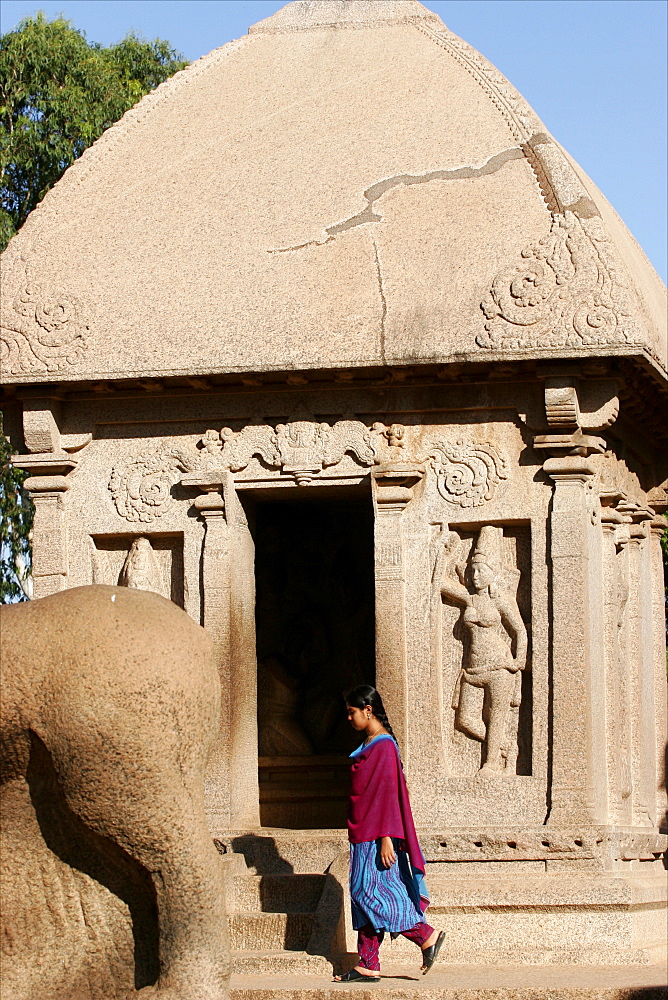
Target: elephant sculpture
pixel 112 886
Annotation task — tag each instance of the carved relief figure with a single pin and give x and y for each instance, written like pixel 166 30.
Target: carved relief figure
pixel 140 569
pixel 496 649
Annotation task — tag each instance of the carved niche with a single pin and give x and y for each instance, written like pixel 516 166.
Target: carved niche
pixel 567 291
pixel 43 331
pixel 486 652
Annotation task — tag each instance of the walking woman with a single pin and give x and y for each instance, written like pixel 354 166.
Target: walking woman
pixel 387 887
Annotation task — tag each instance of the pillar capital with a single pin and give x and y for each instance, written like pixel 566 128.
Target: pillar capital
pixel 574 444
pixel 393 485
pixel 569 468
pixel 657 526
pixel 210 502
pixel 48 489
pixel 45 465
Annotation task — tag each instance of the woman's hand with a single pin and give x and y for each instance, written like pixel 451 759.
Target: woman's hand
pixel 387 855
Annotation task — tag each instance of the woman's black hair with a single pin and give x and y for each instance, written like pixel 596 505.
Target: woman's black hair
pixel 364 695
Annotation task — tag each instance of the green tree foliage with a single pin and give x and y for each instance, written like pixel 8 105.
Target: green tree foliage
pixel 16 510
pixel 58 93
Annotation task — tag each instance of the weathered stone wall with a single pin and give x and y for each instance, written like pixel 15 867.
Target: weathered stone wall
pixel 517 638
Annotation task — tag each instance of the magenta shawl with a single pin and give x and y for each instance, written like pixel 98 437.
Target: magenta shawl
pixel 379 803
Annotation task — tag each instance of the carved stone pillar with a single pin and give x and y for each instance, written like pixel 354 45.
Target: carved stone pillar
pixel 657 528
pixel 245 797
pixel 572 799
pixel 228 594
pixel 49 465
pixel 642 674
pixel 216 620
pixel 47 486
pixel 624 708
pixel 215 561
pixel 615 595
pixel 392 488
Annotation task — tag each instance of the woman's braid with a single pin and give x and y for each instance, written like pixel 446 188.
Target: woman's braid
pixel 382 717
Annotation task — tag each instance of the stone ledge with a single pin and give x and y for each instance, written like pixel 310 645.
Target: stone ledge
pixel 311 851
pixel 515 891
pixel 554 982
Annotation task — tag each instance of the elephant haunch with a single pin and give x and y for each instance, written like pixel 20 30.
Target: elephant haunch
pixel 109 706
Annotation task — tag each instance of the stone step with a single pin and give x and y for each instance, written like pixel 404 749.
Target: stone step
pixel 555 982
pixel 277 851
pixel 462 951
pixel 522 891
pixel 278 893
pixel 257 931
pixel 248 963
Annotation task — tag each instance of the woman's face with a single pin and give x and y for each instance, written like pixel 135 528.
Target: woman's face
pixel 357 717
pixel 482 575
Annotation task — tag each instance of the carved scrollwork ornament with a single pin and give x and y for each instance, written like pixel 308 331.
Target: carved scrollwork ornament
pixel 300 447
pixel 568 291
pixel 42 331
pixel 142 489
pixel 467 472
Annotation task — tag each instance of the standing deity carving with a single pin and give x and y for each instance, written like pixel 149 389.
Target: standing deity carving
pixel 140 569
pixel 495 646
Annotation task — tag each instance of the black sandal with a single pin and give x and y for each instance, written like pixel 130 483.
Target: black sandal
pixel 357 977
pixel 429 955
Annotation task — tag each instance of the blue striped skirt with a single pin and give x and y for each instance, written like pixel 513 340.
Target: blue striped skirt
pixel 386 898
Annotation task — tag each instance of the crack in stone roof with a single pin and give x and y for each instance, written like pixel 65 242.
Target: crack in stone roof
pixel 383 300
pixel 377 190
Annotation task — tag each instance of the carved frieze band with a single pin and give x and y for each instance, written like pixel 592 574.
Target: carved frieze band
pixel 42 331
pixel 302 447
pixel 520 117
pixel 567 291
pixel 467 472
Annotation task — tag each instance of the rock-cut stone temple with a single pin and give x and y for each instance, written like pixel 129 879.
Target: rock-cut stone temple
pixel 332 344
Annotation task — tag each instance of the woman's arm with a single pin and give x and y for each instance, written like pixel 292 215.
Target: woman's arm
pixel 455 591
pixel 387 855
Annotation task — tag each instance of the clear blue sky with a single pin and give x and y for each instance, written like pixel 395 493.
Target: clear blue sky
pixel 594 70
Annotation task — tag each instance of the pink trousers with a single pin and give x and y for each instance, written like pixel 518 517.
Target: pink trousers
pixel 369 941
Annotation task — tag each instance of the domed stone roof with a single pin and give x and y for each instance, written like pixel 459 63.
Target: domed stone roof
pixel 348 185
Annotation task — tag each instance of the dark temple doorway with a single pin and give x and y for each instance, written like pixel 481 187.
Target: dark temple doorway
pixel 315 640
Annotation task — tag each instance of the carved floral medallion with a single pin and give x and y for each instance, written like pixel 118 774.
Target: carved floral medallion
pixel 467 472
